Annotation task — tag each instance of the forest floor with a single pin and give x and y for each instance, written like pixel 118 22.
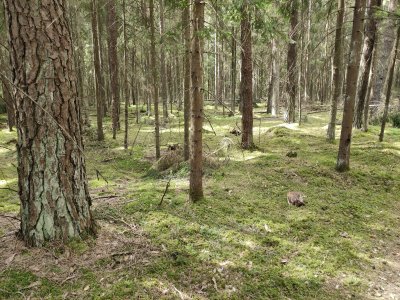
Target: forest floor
pixel 243 241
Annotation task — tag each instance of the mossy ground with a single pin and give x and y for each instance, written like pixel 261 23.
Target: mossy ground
pixel 242 241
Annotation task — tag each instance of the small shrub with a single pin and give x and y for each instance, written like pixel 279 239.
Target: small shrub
pixel 396 120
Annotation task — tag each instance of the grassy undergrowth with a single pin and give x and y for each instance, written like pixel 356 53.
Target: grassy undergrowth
pixel 242 241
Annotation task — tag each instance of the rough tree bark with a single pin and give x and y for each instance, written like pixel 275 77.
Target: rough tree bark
pixel 112 27
pixel 343 160
pixel 292 62
pixel 55 201
pixel 186 88
pixel 337 72
pixel 246 85
pixel 366 61
pixel 99 80
pixel 196 151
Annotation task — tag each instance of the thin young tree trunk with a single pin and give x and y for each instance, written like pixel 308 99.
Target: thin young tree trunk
pixel 196 153
pixel 343 160
pixel 337 72
pixel 154 78
pixel 247 78
pixel 112 27
pixel 384 45
pixel 55 201
pixel 366 61
pixel 389 86
pixel 164 93
pixel 186 91
pixel 233 71
pixel 99 81
pixel 10 107
pixel 125 76
pixel 292 62
pixel 275 81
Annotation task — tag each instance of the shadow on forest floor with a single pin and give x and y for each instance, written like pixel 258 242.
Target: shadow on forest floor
pixel 242 241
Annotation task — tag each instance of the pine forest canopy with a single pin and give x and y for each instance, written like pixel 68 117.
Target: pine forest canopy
pixel 202 100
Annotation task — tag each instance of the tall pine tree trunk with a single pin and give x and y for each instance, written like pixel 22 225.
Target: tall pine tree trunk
pixel 343 160
pixel 186 87
pixel 154 73
pixel 292 62
pixel 275 80
pixel 233 71
pixel 384 45
pixel 99 80
pixel 247 78
pixel 366 61
pixel 164 93
pixel 389 86
pixel 55 201
pixel 126 85
pixel 196 151
pixel 337 71
pixel 112 27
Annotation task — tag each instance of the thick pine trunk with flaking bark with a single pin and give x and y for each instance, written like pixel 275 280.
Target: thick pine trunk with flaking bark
pixel 366 61
pixel 55 201
pixel 99 80
pixel 112 28
pixel 292 62
pixel 246 85
pixel 343 160
pixel 196 140
pixel 337 72
pixel 186 85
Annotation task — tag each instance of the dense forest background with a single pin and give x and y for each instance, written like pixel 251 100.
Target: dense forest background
pixel 241 149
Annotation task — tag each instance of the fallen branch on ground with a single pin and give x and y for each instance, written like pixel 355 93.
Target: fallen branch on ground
pixel 165 192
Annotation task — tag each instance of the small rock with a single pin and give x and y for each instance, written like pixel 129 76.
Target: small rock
pixel 284 261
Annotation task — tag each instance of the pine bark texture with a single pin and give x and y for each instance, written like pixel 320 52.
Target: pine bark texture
pixel 246 85
pixel 196 151
pixel 343 160
pixel 337 72
pixel 55 201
